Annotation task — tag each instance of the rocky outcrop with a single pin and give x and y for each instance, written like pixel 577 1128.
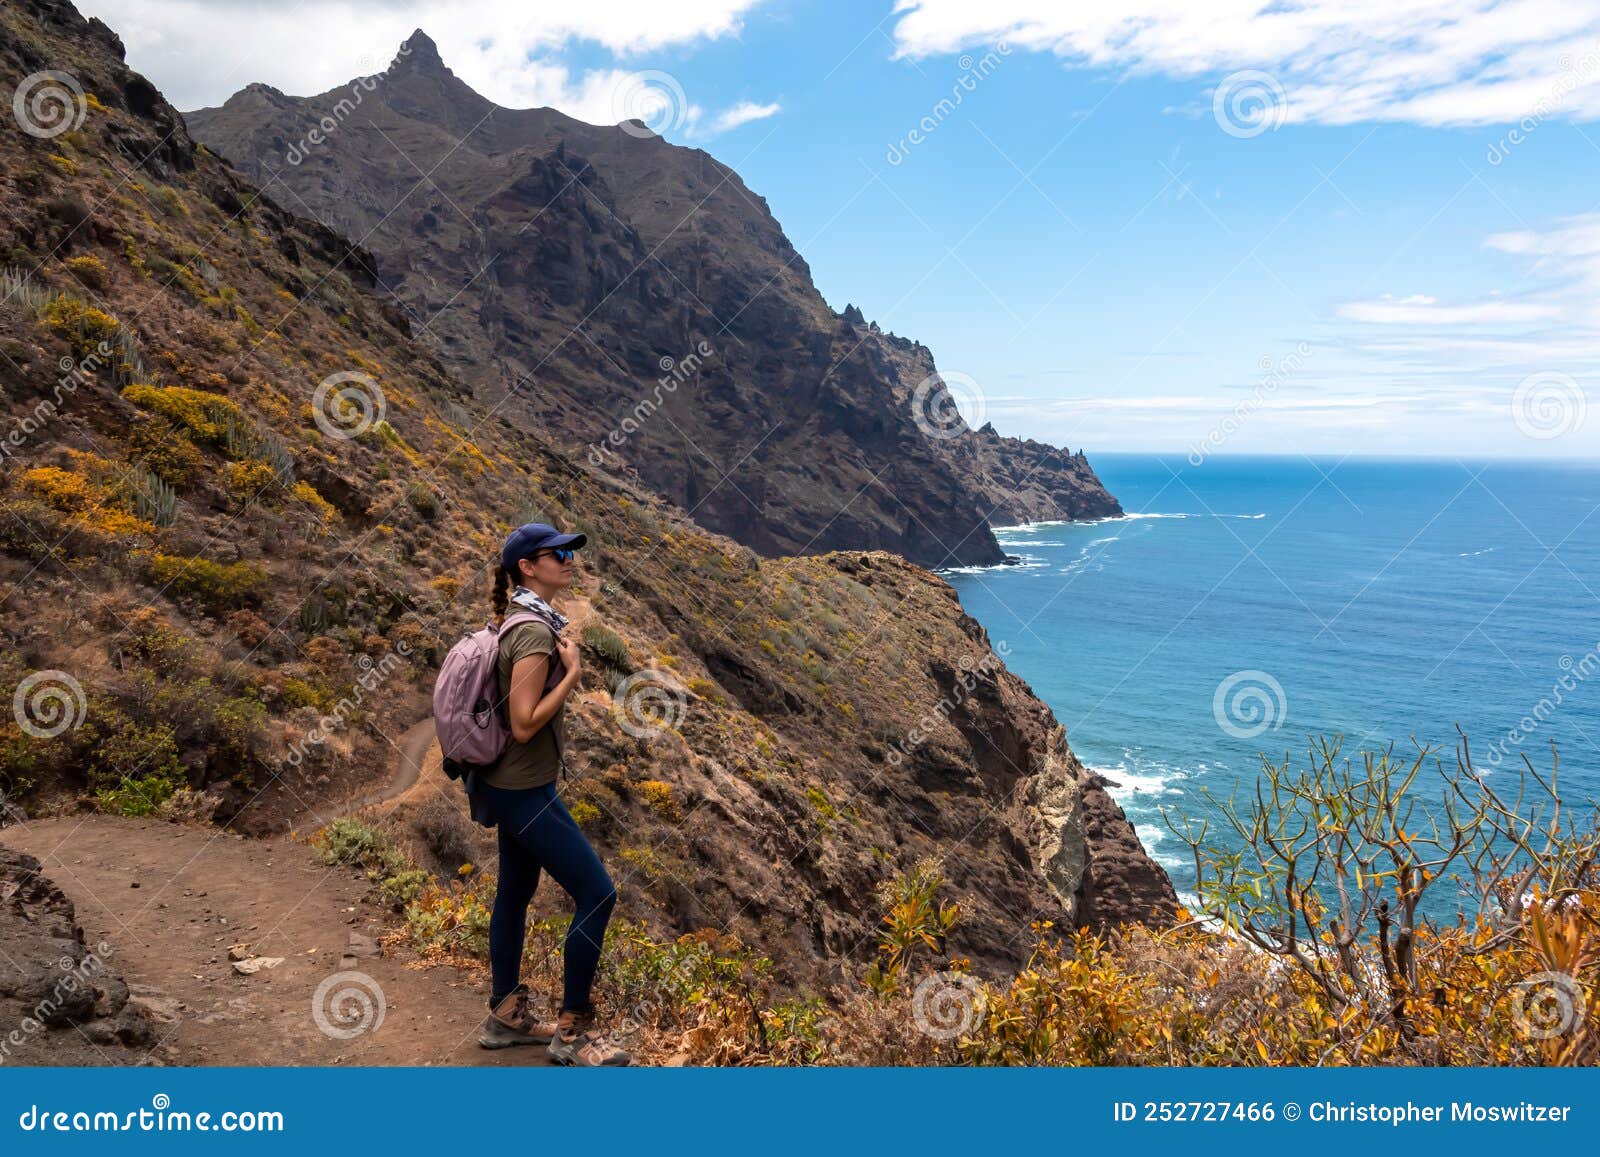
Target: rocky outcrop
pixel 635 298
pixel 61 1001
pixel 1088 851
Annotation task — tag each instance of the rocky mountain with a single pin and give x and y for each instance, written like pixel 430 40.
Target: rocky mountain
pixel 634 297
pixel 243 512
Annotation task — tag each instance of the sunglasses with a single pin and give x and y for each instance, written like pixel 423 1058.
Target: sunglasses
pixel 560 553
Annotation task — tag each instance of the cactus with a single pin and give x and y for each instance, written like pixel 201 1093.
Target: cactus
pixel 314 615
pixel 275 453
pixel 154 500
pixel 129 365
pixel 18 287
pixel 240 437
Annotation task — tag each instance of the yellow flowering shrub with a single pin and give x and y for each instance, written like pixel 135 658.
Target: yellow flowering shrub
pixel 249 479
pixel 63 489
pixel 87 269
pixel 658 796
pixel 307 493
pixel 83 326
pixel 205 415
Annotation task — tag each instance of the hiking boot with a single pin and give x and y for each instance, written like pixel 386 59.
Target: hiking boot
pixel 513 1022
pixel 576 1042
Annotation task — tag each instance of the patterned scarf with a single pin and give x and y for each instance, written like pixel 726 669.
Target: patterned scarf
pixel 531 601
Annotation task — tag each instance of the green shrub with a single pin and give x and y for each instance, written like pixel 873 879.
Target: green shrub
pixel 236 726
pixel 349 842
pixel 300 693
pixel 607 646
pixel 130 750
pixel 423 500
pixel 165 451
pixel 217 586
pixel 453 917
pixel 141 796
pixel 403 887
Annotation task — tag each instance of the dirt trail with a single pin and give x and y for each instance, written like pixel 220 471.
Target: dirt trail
pixel 412 751
pixel 172 899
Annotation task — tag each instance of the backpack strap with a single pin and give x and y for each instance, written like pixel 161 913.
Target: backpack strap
pixel 517 620
pixel 557 668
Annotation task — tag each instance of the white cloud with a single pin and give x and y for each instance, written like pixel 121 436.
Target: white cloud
pixel 1431 62
pixel 742 114
pixel 199 52
pixel 1422 310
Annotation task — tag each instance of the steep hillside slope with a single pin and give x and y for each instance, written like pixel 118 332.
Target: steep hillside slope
pixel 639 299
pixel 243 512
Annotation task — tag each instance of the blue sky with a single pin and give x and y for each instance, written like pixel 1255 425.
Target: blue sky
pixel 1353 256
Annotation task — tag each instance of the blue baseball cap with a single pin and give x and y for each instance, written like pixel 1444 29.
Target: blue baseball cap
pixel 535 536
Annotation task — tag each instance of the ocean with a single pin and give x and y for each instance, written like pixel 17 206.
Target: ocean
pixel 1246 605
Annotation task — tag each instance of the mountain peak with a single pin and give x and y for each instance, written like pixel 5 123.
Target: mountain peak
pixel 419 52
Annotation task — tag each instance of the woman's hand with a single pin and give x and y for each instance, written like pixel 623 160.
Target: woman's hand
pixel 568 651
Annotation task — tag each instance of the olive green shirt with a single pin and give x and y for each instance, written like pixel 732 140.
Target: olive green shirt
pixel 538 761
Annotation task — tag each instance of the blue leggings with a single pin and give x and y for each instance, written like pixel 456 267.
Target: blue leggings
pixel 537 831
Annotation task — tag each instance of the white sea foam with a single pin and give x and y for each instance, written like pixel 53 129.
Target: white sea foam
pixel 1028 563
pixel 1025 527
pixel 1150 780
pixel 1153 838
pixel 1476 553
pixel 1130 516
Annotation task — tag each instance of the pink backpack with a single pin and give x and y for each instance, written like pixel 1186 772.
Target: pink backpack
pixel 467 715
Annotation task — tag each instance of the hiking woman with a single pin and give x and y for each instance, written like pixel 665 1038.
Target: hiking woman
pixel 536 832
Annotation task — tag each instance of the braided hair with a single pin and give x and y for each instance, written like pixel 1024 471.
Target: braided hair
pixel 500 599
